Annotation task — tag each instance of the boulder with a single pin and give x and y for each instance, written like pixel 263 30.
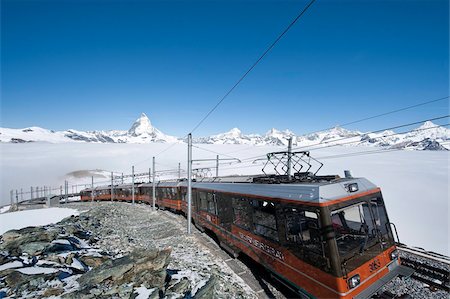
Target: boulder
pixel 181 287
pixel 14 240
pixel 140 267
pixel 53 292
pixel 207 291
pixel 33 248
pixel 93 261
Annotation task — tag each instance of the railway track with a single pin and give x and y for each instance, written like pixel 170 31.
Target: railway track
pixel 430 268
pixel 433 276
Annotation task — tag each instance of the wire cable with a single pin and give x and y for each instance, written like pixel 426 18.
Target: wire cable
pixel 302 12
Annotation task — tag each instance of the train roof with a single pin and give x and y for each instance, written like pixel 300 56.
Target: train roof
pixel 312 193
pixel 115 186
pixel 317 190
pixel 323 190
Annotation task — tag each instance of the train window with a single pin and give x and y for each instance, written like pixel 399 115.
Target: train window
pixel 211 204
pixel 242 213
pixel 203 201
pixel 212 207
pixel 302 227
pixel 354 228
pixel 264 219
pixel 380 218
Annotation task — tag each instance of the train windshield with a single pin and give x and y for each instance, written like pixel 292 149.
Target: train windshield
pixel 361 228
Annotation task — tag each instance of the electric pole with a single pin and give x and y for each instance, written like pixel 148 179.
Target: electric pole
pixel 189 184
pixel 132 184
pixel 154 185
pixel 289 166
pixel 112 186
pixel 92 187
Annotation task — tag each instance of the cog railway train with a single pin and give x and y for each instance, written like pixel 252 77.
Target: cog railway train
pixel 322 236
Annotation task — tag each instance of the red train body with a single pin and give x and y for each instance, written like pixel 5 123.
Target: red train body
pixel 325 238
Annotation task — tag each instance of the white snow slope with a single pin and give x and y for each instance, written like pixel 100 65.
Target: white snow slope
pixel 21 219
pixel 414 183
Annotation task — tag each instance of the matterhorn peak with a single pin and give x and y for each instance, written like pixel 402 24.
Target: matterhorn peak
pixel 142 125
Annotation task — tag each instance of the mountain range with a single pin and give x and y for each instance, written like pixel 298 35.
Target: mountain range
pixel 428 136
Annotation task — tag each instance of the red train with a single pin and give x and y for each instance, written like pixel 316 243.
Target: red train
pixel 323 236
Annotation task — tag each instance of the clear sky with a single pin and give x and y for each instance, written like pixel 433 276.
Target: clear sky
pixel 93 65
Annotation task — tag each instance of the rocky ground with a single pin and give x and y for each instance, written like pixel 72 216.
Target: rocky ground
pixel 403 287
pixel 120 250
pixel 113 250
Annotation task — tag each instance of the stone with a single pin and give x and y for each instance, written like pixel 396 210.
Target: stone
pixel 69 258
pixel 33 248
pixel 52 292
pixel 140 267
pixel 207 291
pixel 181 287
pixel 93 261
pixel 13 239
pixel 15 279
pixel 4 258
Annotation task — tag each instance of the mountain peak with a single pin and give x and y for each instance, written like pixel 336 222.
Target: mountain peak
pixel 428 124
pixel 142 125
pixel 235 131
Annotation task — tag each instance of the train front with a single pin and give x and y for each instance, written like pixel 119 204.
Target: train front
pixel 360 239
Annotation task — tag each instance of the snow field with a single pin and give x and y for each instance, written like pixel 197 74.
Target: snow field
pixel 21 219
pixel 414 183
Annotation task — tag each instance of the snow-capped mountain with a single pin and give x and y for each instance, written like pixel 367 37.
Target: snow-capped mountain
pixel 428 136
pixel 141 131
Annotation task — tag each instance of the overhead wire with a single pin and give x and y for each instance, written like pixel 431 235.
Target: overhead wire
pixel 272 45
pixel 302 12
pixel 371 132
pixel 387 113
pixel 309 147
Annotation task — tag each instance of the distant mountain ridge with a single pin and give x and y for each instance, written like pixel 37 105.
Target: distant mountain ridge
pixel 141 131
pixel 428 136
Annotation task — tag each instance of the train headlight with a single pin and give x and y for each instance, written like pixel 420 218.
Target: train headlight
pixel 354 281
pixel 353 187
pixel 394 254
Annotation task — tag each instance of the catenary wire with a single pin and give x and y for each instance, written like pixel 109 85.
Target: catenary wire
pixel 302 12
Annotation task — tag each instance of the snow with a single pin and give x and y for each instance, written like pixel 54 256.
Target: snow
pixel 428 136
pixel 140 132
pixel 37 270
pixel 61 241
pixel 21 219
pixel 10 265
pixel 143 292
pixel 77 264
pixel 414 183
pixel 5 209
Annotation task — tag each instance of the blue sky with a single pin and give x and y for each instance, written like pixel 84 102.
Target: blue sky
pixel 93 65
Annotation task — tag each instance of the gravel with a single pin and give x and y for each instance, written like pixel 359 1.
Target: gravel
pixel 125 226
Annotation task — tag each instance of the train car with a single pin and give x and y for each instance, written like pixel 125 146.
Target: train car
pixel 168 194
pixel 125 193
pixel 324 236
pixel 100 193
